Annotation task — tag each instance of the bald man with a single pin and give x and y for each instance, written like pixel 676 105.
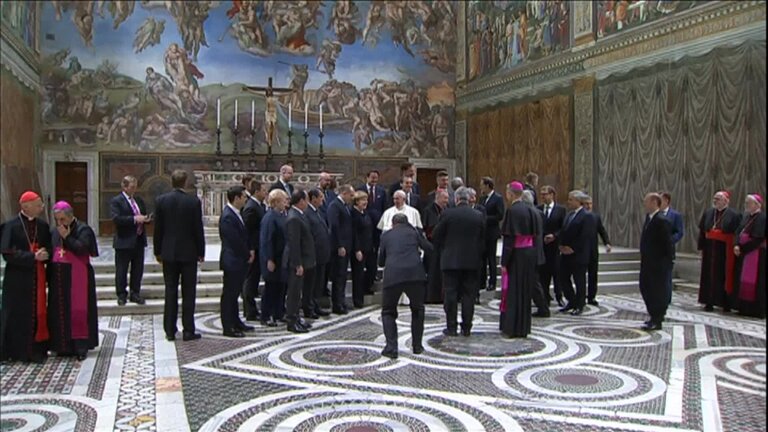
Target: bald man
pixel 284 182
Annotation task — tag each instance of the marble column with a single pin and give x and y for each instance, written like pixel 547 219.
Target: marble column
pixel 583 135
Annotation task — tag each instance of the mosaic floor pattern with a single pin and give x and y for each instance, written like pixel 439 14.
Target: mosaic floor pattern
pixel 597 372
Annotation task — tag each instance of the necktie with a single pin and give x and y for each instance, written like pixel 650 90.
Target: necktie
pixel 372 193
pixel 569 218
pixel 647 221
pixel 488 198
pixel 136 212
pixel 408 198
pixel 548 210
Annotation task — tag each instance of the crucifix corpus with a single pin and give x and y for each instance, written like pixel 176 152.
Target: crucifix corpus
pixel 270 113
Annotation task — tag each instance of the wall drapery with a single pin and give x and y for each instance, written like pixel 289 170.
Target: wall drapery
pixel 510 141
pixel 692 128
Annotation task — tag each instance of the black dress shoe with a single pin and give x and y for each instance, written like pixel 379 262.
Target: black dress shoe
pixel 651 326
pixel 726 309
pixel 541 314
pixel 465 332
pixel 311 315
pixel 709 308
pixel 567 308
pixel 269 323
pixel 390 354
pixel 170 338
pixel 121 301
pixel 322 312
pixel 246 328
pixel 593 302
pixel 81 356
pixel 254 317
pixel 135 298
pixel 306 324
pixel 577 311
pixel 339 311
pixel 234 333
pixel 448 332
pixel 417 350
pixel 190 336
pixel 296 328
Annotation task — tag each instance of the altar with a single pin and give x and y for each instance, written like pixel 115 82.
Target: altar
pixel 211 187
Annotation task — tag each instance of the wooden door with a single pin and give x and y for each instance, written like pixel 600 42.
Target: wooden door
pixel 72 186
pixel 427 180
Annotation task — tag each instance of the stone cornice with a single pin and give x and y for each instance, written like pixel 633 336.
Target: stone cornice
pixel 13 62
pixel 559 70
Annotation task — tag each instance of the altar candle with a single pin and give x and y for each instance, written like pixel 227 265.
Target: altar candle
pixel 218 113
pixel 235 113
pixel 253 110
pixel 321 117
pixel 306 116
pixel 290 110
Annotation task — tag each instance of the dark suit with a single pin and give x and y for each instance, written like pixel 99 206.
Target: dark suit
pixel 252 213
pixel 398 186
pixel 431 199
pixel 330 196
pixel 235 251
pixel 322 237
pixel 363 242
pixel 271 246
pixel 578 233
pixel 180 243
pixel 128 243
pixel 287 187
pixel 676 221
pixel 550 271
pixel 377 204
pixel 342 236
pixel 403 272
pixel 299 251
pixel 595 256
pixel 494 213
pixel 656 254
pixel 460 259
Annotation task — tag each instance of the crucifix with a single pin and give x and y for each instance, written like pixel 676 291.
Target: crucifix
pixel 270 112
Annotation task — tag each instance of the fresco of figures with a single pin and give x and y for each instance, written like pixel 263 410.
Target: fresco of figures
pixel 616 16
pixel 151 75
pixel 20 18
pixel 503 35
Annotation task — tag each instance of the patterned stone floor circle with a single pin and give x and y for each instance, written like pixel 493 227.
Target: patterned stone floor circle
pixel 329 357
pixel 611 334
pixel 745 368
pixel 34 417
pixel 433 316
pixel 587 385
pixel 22 421
pixel 313 410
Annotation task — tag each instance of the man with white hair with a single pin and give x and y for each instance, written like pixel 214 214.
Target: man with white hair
pixel 717 229
pixel 284 182
pixel 385 224
pixel 575 246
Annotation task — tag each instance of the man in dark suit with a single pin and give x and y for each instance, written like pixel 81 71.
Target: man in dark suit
pixel 407 169
pixel 129 215
pixel 322 239
pixel 461 257
pixel 325 183
pixel 252 213
pixel 340 223
pixel 403 273
pixel 299 260
pixel 576 238
pixel 594 257
pixel 284 182
pixel 412 197
pixel 554 217
pixel 676 220
pixel 236 256
pixel 656 252
pixel 494 212
pixel 377 203
pixel 531 182
pixel 179 245
pixel 443 183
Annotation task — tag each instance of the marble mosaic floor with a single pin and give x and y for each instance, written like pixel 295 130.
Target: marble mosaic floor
pixel 597 372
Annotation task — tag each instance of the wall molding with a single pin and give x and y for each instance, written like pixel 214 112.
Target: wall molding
pixel 14 63
pixel 693 32
pixel 50 157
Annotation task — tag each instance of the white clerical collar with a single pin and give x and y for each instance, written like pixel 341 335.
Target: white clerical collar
pixel 297 209
pixel 29 218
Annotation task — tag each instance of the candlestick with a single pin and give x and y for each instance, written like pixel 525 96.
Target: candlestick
pixel 253 142
pixel 321 117
pixel 306 151
pixel 290 147
pixel 218 113
pixel 306 116
pixel 235 133
pixel 235 113
pixel 218 141
pixel 321 154
pixel 290 122
pixel 253 110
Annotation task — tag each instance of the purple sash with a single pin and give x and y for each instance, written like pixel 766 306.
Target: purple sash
pixel 78 286
pixel 749 271
pixel 523 241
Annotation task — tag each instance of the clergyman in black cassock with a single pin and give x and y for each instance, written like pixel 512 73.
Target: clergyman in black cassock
pixel 430 217
pixel 26 243
pixel 72 314
pixel 749 293
pixel 717 229
pixel 520 258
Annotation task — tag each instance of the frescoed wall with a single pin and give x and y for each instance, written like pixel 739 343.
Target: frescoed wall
pixel 617 16
pixel 503 35
pixel 147 76
pixel 21 19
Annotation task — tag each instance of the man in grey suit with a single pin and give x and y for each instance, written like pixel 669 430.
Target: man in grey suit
pixel 403 272
pixel 299 259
